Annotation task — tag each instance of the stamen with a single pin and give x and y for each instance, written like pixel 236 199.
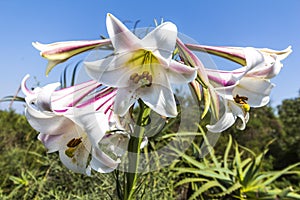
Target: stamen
pixel 132 77
pixel 74 142
pixel 145 74
pixel 70 152
pixel 136 79
pixel 144 79
pixel 240 99
pixel 243 101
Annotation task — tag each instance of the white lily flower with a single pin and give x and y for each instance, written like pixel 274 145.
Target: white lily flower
pixel 250 83
pixel 233 110
pixel 229 84
pixel 141 68
pixel 238 94
pixel 70 126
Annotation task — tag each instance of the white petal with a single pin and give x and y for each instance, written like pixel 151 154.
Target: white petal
pixel 268 69
pixel 221 78
pixel 70 96
pixel 95 124
pixel 112 71
pixel 238 112
pixel 179 73
pixel 225 122
pixel 162 39
pixel 101 162
pixel 44 97
pixel 124 99
pixel 48 124
pixel 24 88
pixel 257 91
pixel 78 162
pixel 57 142
pixel 253 57
pixel 160 99
pixel 232 111
pixel 51 142
pixel 116 143
pixel 122 39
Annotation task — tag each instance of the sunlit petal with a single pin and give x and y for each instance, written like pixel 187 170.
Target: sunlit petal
pixel 161 100
pixel 59 52
pixel 161 40
pixel 179 73
pixel 121 38
pixel 47 124
pixel 256 90
pixel 79 159
pixel 124 99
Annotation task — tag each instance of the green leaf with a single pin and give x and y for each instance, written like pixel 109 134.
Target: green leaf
pixel 180 134
pixel 226 153
pixel 74 73
pixel 229 190
pixel 190 180
pixel 280 173
pixel 205 187
pixel 189 159
pixel 204 172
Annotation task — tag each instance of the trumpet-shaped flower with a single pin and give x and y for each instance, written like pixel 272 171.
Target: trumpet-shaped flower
pixel 246 87
pixel 59 52
pixel 141 68
pixel 71 125
pixel 238 92
pixel 234 109
pixel 259 62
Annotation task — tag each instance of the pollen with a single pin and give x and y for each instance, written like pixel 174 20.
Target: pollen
pixel 246 107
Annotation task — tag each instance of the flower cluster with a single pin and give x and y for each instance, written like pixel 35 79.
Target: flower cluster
pixel 76 121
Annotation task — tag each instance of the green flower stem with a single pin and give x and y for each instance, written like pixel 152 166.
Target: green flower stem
pixel 134 149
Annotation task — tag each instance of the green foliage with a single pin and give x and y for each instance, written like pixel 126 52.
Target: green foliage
pixel 235 175
pixel 28 172
pixel 230 171
pixel 289 113
pixel 263 126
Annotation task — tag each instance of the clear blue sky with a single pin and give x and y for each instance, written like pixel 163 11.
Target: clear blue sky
pixel 258 23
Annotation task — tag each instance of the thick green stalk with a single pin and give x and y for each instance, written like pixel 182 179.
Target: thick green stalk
pixel 134 150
